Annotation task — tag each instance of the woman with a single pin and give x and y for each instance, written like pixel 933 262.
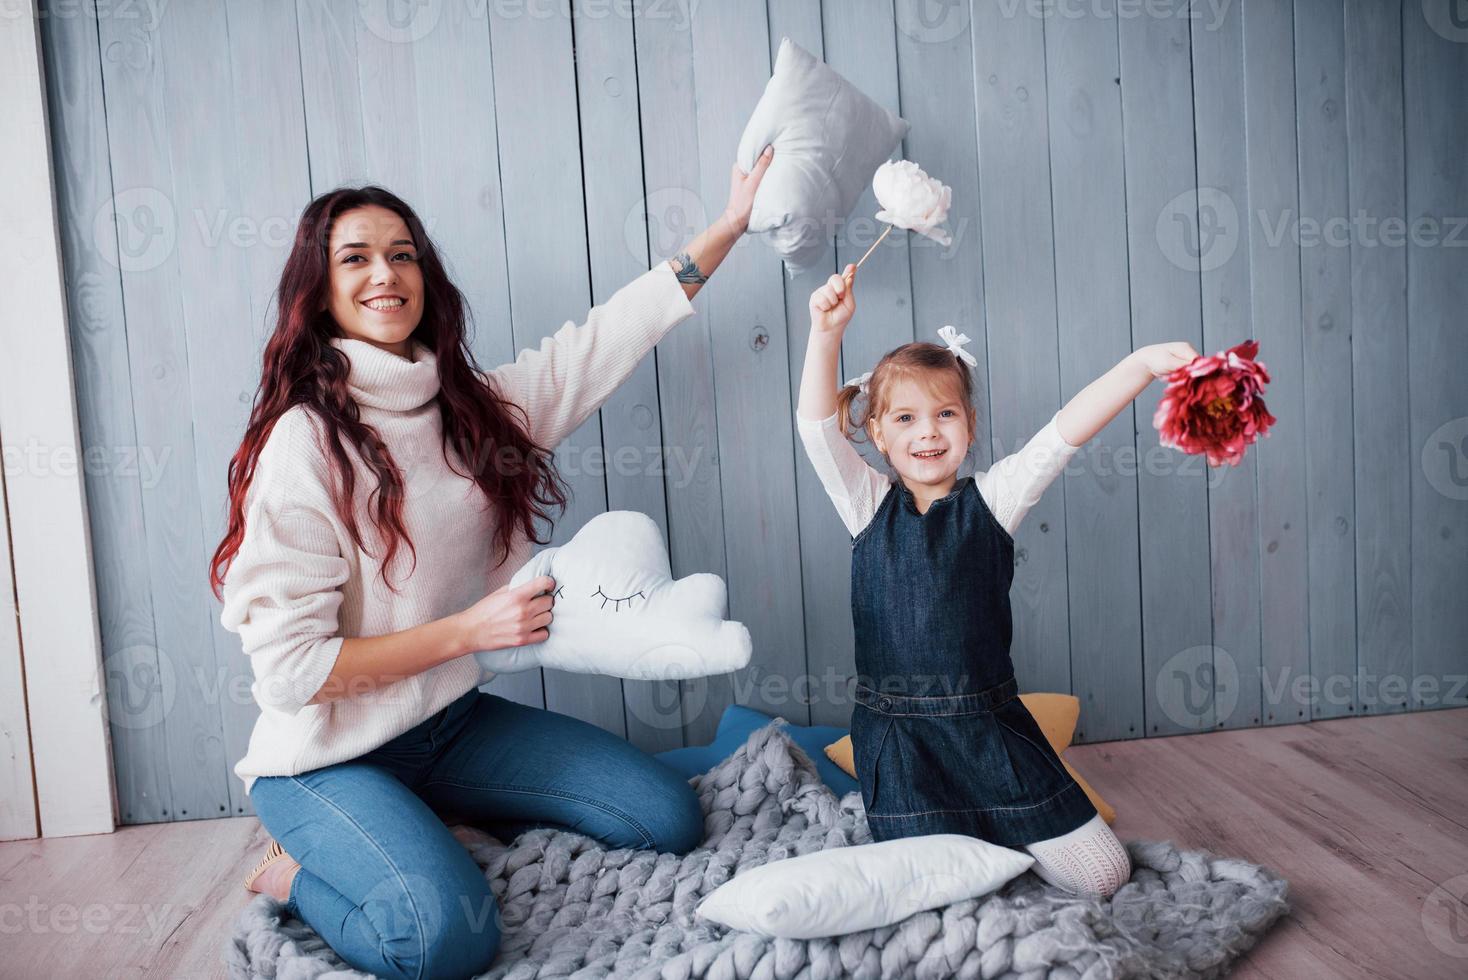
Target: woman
pixel 385 491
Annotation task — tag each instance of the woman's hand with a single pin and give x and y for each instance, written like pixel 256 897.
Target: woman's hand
pixel 1160 360
pixel 504 618
pixel 510 617
pixel 832 305
pixel 700 257
pixel 741 191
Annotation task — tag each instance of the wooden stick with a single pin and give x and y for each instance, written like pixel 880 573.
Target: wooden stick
pixel 875 244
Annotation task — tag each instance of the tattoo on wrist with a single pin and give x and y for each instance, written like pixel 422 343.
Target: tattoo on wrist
pixel 688 270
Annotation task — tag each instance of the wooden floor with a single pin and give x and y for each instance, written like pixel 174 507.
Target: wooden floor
pixel 1364 816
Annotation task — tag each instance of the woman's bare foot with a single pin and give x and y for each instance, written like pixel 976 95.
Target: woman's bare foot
pixel 276 879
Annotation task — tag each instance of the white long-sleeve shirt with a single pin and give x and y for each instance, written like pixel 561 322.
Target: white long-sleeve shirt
pixel 1009 488
pixel 300 586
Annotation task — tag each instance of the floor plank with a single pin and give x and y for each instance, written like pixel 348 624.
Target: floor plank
pixel 1364 816
pixel 154 900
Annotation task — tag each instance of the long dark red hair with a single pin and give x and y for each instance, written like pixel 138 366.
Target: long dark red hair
pixel 301 367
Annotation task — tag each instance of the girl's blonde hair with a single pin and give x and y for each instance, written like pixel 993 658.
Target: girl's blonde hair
pixel 935 364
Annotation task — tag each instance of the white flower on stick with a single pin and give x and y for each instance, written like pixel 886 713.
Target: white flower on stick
pixel 912 200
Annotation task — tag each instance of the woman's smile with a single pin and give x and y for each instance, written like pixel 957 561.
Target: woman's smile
pixel 375 288
pixel 388 303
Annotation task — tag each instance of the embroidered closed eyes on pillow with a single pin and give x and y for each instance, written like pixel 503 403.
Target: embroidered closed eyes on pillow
pixel 619 611
pixel 829 139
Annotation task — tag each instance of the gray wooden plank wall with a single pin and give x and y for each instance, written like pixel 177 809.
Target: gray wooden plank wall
pixel 1123 175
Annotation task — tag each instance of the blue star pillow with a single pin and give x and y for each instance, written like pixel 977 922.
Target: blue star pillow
pixel 735 727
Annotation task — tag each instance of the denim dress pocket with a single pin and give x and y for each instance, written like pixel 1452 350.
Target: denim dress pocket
pixel 869 733
pixel 1033 762
pixel 962 761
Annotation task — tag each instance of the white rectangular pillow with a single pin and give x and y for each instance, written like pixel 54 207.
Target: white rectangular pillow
pixel 848 889
pixel 829 139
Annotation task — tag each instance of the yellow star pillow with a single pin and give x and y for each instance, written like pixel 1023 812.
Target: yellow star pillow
pixel 1056 714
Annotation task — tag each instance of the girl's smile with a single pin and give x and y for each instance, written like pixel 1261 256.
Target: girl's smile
pixel 924 433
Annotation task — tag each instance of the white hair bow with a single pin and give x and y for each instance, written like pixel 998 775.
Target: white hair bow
pixel 860 381
pixel 955 342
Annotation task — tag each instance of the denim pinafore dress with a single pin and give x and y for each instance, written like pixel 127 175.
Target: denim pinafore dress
pixel 941 741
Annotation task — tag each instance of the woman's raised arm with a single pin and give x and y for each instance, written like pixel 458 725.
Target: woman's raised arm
pixel 577 368
pixel 700 257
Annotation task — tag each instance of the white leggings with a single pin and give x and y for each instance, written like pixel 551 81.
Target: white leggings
pixel 1088 860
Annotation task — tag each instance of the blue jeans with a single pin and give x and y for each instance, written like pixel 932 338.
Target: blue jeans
pixel 386 884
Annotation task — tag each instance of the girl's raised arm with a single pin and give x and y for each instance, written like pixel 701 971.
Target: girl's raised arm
pixel 831 307
pixel 854 487
pixel 1103 399
pixel 1015 483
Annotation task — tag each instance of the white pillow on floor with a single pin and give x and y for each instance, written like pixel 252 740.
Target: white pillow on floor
pixel 848 889
pixel 829 139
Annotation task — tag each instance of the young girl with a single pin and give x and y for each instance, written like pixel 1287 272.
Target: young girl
pixel 941 740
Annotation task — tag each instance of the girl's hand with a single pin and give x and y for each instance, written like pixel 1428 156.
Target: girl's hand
pixel 832 305
pixel 1163 359
pixel 510 617
pixel 741 191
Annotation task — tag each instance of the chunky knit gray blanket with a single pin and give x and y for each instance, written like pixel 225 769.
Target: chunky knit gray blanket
pixel 569 907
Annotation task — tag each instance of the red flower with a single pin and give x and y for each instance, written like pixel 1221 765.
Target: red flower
pixel 1212 405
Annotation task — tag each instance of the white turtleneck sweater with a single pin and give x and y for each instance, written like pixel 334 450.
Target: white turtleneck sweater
pixel 299 585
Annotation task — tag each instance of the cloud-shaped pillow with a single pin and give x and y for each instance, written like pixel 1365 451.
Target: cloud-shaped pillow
pixel 619 611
